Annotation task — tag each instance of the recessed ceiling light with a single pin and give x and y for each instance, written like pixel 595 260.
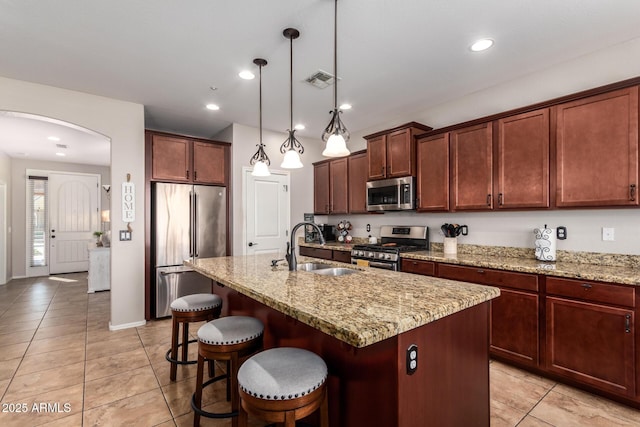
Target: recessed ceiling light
pixel 247 75
pixel 213 107
pixel 345 107
pixel 53 138
pixel 299 126
pixel 60 154
pixel 482 44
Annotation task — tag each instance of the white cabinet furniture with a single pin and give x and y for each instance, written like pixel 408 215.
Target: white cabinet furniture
pixel 99 269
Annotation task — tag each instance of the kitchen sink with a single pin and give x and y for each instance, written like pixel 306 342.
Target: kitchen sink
pixel 312 266
pixel 334 271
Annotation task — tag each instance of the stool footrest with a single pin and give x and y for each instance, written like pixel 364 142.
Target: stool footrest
pixel 207 414
pixel 180 362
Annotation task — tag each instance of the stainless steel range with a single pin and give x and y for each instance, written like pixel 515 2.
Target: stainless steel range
pixel 394 239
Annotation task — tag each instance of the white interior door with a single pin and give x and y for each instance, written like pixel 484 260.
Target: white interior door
pixel 73 217
pixel 3 234
pixel 267 207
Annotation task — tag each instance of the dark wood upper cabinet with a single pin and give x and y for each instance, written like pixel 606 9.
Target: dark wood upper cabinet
pixel 358 183
pixel 321 201
pixel 181 159
pixel 471 168
pixel 391 153
pixel 432 188
pixel 597 150
pixel 523 161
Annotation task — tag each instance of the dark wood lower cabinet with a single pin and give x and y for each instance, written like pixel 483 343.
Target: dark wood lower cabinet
pixel 591 343
pixel 426 268
pixel 342 256
pixel 316 252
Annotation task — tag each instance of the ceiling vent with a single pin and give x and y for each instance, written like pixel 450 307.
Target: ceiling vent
pixel 320 79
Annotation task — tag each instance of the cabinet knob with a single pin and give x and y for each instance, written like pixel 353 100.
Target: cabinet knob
pixel 500 199
pixel 632 192
pixel 586 286
pixel 195 175
pixel 187 174
pixel 488 199
pixel 627 323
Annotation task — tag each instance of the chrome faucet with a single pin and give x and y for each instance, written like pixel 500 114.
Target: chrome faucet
pixel 291 246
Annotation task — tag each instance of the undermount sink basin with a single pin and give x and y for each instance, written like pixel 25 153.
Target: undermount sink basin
pixel 336 271
pixel 312 266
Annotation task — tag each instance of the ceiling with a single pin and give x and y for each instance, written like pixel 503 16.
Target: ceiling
pixel 395 59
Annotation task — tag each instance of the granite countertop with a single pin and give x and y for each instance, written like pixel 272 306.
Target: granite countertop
pixel 613 268
pixel 359 309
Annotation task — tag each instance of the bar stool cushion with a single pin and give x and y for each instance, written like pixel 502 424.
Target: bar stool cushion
pixel 282 373
pixel 196 302
pixel 230 330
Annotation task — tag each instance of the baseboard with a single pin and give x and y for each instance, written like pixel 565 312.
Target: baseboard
pixel 126 325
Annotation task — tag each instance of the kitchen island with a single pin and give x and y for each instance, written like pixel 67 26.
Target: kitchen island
pixel 363 325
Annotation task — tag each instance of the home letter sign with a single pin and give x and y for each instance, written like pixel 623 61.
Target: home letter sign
pixel 128 202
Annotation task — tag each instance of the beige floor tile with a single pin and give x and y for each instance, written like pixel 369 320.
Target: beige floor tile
pixel 51 359
pixel 69 342
pixel 178 395
pixel 37 383
pixel 8 368
pixel 72 421
pixel 183 372
pixel 59 331
pixel 47 407
pixel 515 392
pixel 169 423
pixel 98 335
pixel 12 351
pixel 113 346
pixel 3 386
pixel 52 314
pixel 17 337
pixel 530 421
pixel 19 326
pixel 503 415
pixel 522 374
pixel 147 409
pixel 8 318
pixel 565 406
pixel 116 387
pixel 115 364
pixel 63 320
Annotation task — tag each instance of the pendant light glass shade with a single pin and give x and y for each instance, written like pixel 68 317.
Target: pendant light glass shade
pixel 335 134
pixel 291 147
pixel 260 161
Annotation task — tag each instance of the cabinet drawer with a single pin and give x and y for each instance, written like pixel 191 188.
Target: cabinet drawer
pixel 592 291
pixel 426 268
pixel 316 252
pixel 342 256
pixel 486 276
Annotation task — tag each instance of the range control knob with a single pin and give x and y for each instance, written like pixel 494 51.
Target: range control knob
pixel 371 255
pixel 387 256
pixel 381 256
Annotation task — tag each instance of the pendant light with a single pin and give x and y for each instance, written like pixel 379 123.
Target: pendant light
pixel 260 161
pixel 291 147
pixel 335 134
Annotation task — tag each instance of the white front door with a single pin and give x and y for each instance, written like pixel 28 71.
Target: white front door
pixel 267 207
pixel 73 218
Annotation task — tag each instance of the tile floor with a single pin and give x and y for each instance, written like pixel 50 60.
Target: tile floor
pixel 61 366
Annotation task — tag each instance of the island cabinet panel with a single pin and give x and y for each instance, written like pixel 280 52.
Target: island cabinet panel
pixel 471 168
pixel 426 268
pixel 342 256
pixel 597 150
pixel 592 344
pixel 179 159
pixel 523 161
pixel 357 183
pixel 432 183
pixel 514 332
pixel 330 189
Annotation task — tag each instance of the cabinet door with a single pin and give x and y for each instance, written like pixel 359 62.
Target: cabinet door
pixel 400 154
pixel 321 188
pixel 523 161
pixel 342 256
pixel 209 163
pixel 339 186
pixel 170 158
pixel 471 168
pixel 597 150
pixel 591 343
pixel 377 157
pixel 426 268
pixel 514 326
pixel 432 158
pixel 358 183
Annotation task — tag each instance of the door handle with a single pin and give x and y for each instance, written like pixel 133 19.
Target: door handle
pixel 253 244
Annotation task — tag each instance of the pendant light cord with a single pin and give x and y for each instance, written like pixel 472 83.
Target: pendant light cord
pixel 291 84
pixel 260 100
pixel 335 56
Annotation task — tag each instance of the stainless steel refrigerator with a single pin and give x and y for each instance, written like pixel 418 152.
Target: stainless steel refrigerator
pixel 188 222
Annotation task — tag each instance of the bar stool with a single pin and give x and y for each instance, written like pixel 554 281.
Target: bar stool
pixel 229 339
pixel 283 385
pixel 185 310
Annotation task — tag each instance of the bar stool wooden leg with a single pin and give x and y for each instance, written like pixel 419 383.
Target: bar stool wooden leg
pixel 185 341
pixel 174 348
pixel 198 393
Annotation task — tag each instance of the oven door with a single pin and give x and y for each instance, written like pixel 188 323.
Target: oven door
pixel 387 265
pixel 391 194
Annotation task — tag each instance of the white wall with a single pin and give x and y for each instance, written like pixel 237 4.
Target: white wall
pixel 123 123
pixel 5 218
pixel 19 203
pixel 516 228
pixel 245 139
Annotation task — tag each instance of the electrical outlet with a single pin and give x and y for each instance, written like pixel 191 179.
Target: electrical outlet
pixel 608 234
pixel 125 235
pixel 412 359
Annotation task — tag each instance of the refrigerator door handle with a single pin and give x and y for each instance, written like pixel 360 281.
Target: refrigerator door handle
pixel 191 227
pixel 195 225
pixel 169 273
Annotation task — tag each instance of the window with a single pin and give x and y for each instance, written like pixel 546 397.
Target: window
pixel 37 194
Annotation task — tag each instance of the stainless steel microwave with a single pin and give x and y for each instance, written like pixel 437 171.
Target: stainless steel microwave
pixel 396 194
